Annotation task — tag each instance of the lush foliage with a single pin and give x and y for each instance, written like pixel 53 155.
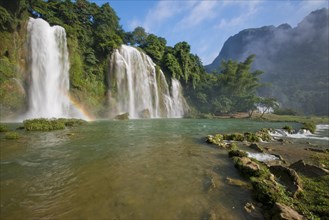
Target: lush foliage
pixel 43 124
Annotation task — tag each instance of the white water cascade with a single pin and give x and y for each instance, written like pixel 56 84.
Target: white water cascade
pixel 49 72
pixel 137 87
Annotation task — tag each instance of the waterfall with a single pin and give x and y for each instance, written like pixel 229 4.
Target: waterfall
pixel 137 87
pixel 49 72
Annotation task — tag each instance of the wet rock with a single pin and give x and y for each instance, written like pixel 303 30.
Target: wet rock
pixel 256 147
pixel 288 177
pixel 247 167
pixel 124 116
pixel 209 184
pixel 237 182
pixel 145 114
pixel 253 211
pixel 283 212
pixel 308 170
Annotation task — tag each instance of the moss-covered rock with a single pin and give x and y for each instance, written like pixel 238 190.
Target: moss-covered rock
pixel 268 191
pixel 124 116
pixel 256 147
pixel 43 124
pixel 237 153
pixel 11 135
pixel 233 137
pixel 251 137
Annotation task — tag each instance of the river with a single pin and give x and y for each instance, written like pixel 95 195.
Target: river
pixel 136 169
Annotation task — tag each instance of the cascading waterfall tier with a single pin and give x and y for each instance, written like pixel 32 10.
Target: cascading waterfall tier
pixel 49 72
pixel 137 87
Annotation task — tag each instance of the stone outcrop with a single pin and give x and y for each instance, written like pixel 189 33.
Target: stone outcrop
pixel 309 170
pixel 283 212
pixel 287 177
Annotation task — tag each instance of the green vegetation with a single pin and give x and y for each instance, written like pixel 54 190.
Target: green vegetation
pixel 288 128
pixel 314 201
pixel 3 128
pixel 311 126
pixel 237 153
pixel 11 135
pixel 43 124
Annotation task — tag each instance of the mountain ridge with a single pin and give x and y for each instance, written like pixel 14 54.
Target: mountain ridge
pixel 291 58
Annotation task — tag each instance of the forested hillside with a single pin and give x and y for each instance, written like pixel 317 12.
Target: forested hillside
pixel 294 60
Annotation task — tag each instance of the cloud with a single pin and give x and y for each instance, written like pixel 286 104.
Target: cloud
pixel 248 10
pixel 202 11
pixel 162 13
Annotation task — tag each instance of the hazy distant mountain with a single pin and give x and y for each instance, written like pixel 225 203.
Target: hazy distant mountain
pixel 295 61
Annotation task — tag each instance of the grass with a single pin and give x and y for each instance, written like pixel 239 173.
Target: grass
pixel 11 135
pixel 3 128
pixel 293 118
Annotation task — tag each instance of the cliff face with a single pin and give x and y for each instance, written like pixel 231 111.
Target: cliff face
pixel 295 61
pixel 13 65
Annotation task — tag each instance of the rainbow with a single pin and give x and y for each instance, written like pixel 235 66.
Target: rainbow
pixel 83 114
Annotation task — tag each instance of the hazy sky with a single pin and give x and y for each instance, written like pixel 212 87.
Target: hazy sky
pixel 206 24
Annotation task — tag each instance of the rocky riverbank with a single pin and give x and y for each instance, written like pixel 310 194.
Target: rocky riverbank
pixel 288 177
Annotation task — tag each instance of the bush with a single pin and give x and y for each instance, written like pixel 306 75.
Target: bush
pixel 311 126
pixel 237 153
pixel 43 124
pixel 285 111
pixel 233 137
pixel 3 128
pixel 251 137
pixel 11 135
pixel 288 128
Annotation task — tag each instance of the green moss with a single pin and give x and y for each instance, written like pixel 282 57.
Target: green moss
pixel 314 202
pixel 233 137
pixel 11 135
pixel 251 137
pixel 43 124
pixel 237 153
pixel 268 192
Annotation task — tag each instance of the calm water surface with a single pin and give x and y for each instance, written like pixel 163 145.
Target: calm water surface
pixel 136 169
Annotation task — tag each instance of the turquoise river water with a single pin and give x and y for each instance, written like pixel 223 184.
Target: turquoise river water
pixel 136 169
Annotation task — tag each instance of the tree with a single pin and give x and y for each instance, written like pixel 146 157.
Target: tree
pixel 266 104
pixel 139 36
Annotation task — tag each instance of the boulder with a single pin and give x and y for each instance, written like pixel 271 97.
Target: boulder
pixel 283 212
pixel 308 170
pixel 287 177
pixel 256 147
pixel 124 116
pixel 239 183
pixel 247 167
pixel 253 211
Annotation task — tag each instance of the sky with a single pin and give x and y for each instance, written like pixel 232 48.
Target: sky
pixel 207 24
